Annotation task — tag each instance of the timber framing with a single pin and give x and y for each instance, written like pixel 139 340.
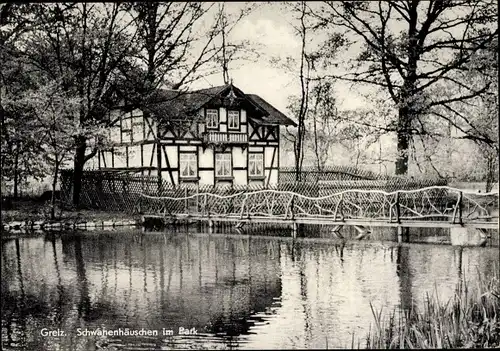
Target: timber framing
pixel 150 139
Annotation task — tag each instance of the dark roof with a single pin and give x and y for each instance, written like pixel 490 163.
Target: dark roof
pixel 178 104
pixel 274 115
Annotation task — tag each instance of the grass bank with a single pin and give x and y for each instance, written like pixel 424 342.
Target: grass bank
pixel 29 209
pixel 470 319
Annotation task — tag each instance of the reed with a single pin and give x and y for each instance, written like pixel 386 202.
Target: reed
pixel 470 319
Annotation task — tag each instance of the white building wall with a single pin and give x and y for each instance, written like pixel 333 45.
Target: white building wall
pixel 239 157
pixel 147 152
pixel 114 133
pixel 120 157
pixel 150 135
pixel 206 177
pixel 272 177
pixel 166 177
pixel 240 177
pixel 172 157
pixel 205 157
pixel 268 157
pixel 134 156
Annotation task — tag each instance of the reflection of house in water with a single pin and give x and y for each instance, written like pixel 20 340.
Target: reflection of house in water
pixel 211 283
pixel 217 284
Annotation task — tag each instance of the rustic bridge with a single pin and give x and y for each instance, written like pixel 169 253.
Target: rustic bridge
pixel 435 206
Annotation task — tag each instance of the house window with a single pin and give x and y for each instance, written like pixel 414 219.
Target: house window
pixel 212 118
pixel 256 165
pixel 188 165
pixel 223 165
pixel 233 119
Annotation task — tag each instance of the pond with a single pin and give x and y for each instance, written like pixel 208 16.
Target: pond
pixel 152 291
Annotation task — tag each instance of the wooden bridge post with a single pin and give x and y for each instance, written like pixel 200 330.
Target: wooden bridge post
pixel 205 202
pixel 398 209
pixel 403 234
pixel 341 203
pixel 197 198
pixel 460 199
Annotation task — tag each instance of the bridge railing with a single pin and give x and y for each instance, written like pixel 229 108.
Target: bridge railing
pixel 431 203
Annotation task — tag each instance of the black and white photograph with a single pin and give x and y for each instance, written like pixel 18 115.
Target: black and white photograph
pixel 249 175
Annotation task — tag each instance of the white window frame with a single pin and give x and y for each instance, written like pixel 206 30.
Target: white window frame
pixel 212 118
pixel 233 119
pixel 188 161
pixel 223 162
pixel 253 160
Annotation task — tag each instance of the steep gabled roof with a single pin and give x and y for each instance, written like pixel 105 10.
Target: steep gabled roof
pixel 274 115
pixel 177 104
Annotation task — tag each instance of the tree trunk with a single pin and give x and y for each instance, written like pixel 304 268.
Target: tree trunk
pixel 490 173
pixel 402 157
pixel 407 102
pixel 54 184
pixel 316 146
pixel 405 115
pixel 16 172
pixel 78 163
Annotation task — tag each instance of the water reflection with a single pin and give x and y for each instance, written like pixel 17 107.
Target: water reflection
pixel 237 291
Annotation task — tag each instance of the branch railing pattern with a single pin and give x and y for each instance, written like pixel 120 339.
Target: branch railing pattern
pixel 431 203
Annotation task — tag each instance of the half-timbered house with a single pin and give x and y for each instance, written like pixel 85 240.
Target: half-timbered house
pixel 211 136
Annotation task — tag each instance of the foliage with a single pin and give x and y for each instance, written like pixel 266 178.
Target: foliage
pixel 78 45
pixel 468 320
pixel 413 52
pixel 179 43
pixel 53 120
pixel 312 99
pixel 103 53
pixel 19 146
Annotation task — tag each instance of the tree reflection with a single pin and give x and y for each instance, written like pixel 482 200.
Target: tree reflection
pixel 83 285
pixel 60 287
pixel 404 272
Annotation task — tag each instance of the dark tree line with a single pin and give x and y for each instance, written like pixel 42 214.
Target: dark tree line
pixel 435 61
pixel 96 53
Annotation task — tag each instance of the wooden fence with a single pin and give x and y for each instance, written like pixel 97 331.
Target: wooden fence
pixel 331 173
pixel 115 191
pixel 436 203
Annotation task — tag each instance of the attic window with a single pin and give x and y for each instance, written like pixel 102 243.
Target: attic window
pixel 233 119
pixel 212 116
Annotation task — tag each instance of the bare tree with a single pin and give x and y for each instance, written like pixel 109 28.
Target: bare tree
pixel 302 69
pixel 325 122
pixel 181 42
pixel 231 50
pixel 411 50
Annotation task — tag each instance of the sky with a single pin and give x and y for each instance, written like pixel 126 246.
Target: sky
pixel 269 28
